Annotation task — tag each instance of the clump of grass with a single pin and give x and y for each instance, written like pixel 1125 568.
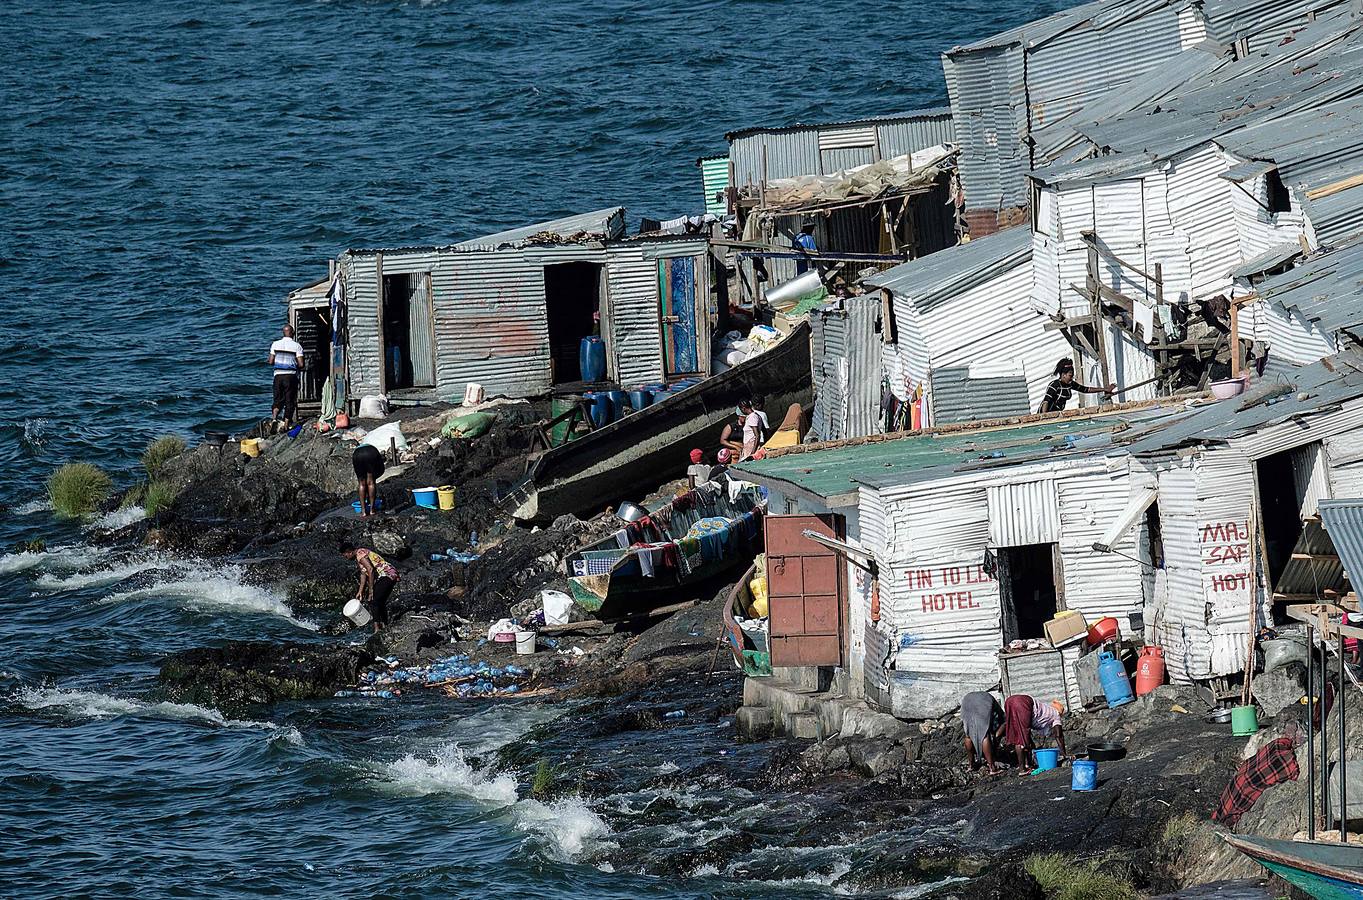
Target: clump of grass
pixel 543 781
pixel 134 496
pixel 35 545
pixel 159 452
pixel 1178 829
pixel 1063 878
pixel 159 496
pixel 78 489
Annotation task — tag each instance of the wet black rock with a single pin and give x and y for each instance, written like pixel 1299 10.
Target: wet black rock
pixel 242 675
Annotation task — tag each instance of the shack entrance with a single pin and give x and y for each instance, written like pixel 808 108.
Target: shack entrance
pixel 1299 557
pixel 806 591
pixel 312 329
pixel 677 315
pixel 408 331
pixel 572 299
pixel 1027 589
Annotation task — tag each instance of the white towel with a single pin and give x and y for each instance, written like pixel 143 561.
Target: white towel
pixel 1145 318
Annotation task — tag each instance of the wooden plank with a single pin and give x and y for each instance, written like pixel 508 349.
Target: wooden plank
pixel 1311 556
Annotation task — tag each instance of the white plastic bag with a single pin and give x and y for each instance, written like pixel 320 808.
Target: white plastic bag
pixel 556 605
pixel 501 626
pixel 381 437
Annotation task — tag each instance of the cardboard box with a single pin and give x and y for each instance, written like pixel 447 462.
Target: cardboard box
pixel 1065 627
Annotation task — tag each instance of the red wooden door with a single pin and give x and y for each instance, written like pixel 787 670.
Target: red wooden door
pixel 805 589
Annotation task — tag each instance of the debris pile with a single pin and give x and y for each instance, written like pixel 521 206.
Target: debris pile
pixel 459 675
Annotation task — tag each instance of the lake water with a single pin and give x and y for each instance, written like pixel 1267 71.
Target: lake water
pixel 168 171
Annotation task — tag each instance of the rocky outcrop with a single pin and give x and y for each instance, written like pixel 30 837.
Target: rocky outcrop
pixel 242 675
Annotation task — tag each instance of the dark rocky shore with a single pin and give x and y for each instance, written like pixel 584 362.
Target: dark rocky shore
pixel 906 808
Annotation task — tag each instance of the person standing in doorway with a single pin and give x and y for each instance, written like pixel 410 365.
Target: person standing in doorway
pixel 805 243
pixel 286 356
pixel 1064 387
pixel 378 577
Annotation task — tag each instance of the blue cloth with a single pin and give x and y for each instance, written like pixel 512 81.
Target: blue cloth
pixel 806 242
pixel 712 545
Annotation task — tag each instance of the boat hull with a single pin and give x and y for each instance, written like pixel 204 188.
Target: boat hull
pixel 1324 871
pixel 648 447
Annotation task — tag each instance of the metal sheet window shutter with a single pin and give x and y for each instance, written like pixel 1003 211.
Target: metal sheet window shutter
pixel 1021 514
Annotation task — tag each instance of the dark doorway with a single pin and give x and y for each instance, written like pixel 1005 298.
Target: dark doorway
pixel 572 298
pixel 1280 512
pixel 408 332
pixel 1027 590
pixel 312 329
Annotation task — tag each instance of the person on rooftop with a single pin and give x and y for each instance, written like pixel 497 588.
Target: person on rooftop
pixel 1064 386
pixel 805 243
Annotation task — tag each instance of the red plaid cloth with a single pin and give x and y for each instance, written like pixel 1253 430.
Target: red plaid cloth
pixel 1275 762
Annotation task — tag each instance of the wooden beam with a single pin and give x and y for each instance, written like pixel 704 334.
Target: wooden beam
pixel 1335 187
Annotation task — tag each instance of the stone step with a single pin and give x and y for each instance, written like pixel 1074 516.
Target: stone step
pixel 801 725
pixel 754 723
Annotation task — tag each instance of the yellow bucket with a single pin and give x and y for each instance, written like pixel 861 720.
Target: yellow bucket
pixel 250 446
pixel 445 494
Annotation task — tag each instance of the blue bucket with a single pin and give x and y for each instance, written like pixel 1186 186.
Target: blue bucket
pixel 355 505
pixel 640 399
pixel 426 498
pixel 599 407
pixel 1084 775
pixel 1047 759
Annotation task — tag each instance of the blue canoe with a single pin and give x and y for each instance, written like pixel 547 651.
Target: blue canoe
pixel 1324 871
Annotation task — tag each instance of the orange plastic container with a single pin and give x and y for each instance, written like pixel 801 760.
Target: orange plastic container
pixel 1105 629
pixel 1149 670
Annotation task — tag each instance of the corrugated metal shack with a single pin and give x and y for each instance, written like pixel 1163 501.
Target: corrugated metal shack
pixel 1310 311
pixel 1015 95
pixel 508 311
pixel 892 218
pixel 980 535
pixel 759 155
pixel 966 332
pixel 1279 450
pixel 846 337
pixel 1205 185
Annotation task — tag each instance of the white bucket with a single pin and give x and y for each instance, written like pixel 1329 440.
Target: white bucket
pixel 354 611
pixel 473 394
pixel 525 642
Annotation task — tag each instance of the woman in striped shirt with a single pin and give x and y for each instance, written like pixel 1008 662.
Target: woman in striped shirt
pixel 378 577
pixel 1064 386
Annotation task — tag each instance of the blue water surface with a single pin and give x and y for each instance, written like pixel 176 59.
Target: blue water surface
pixel 168 171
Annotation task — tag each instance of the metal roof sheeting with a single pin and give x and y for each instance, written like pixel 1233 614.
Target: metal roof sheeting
pixel 957 397
pixel 1326 290
pixel 940 276
pixel 797 150
pixel 1344 522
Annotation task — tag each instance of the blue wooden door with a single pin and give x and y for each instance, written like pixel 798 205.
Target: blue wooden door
pixel 677 298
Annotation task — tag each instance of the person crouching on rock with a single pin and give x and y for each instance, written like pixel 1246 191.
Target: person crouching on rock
pixel 981 717
pixel 378 577
pixel 1022 717
pixel 368 464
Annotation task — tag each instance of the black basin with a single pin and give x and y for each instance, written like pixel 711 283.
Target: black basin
pixel 1106 751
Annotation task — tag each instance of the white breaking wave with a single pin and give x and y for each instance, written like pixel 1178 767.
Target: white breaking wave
pixel 119 518
pixel 449 772
pixel 94 705
pixel 59 559
pixel 567 828
pixel 199 586
pixel 105 575
pixel 37 505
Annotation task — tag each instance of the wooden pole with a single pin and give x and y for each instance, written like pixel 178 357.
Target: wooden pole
pixel 1246 692
pixel 1096 310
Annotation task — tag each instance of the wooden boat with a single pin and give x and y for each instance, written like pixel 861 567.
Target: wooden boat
pixel 1322 870
pixel 609 582
pixel 647 447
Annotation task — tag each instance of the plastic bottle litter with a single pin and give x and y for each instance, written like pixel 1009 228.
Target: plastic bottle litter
pixel 438 557
pixel 675 714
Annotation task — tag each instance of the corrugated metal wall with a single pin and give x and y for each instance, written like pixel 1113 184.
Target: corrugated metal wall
pixel 797 151
pixel 1027 512
pixel 1203 217
pixel 987 102
pixel 957 397
pixel 490 321
pixel 846 360
pixel 637 354
pixel 1099 584
pixel 1289 336
pixel 994 330
pixel 714 177
pixel 1178 608
pixel 362 324
pixel 1259 229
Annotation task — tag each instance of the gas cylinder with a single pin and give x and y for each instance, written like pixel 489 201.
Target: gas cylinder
pixel 1112 676
pixel 1149 670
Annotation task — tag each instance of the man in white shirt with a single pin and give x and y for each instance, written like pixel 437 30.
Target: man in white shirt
pixel 286 356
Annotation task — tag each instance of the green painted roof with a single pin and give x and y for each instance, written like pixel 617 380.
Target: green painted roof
pixel 833 473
